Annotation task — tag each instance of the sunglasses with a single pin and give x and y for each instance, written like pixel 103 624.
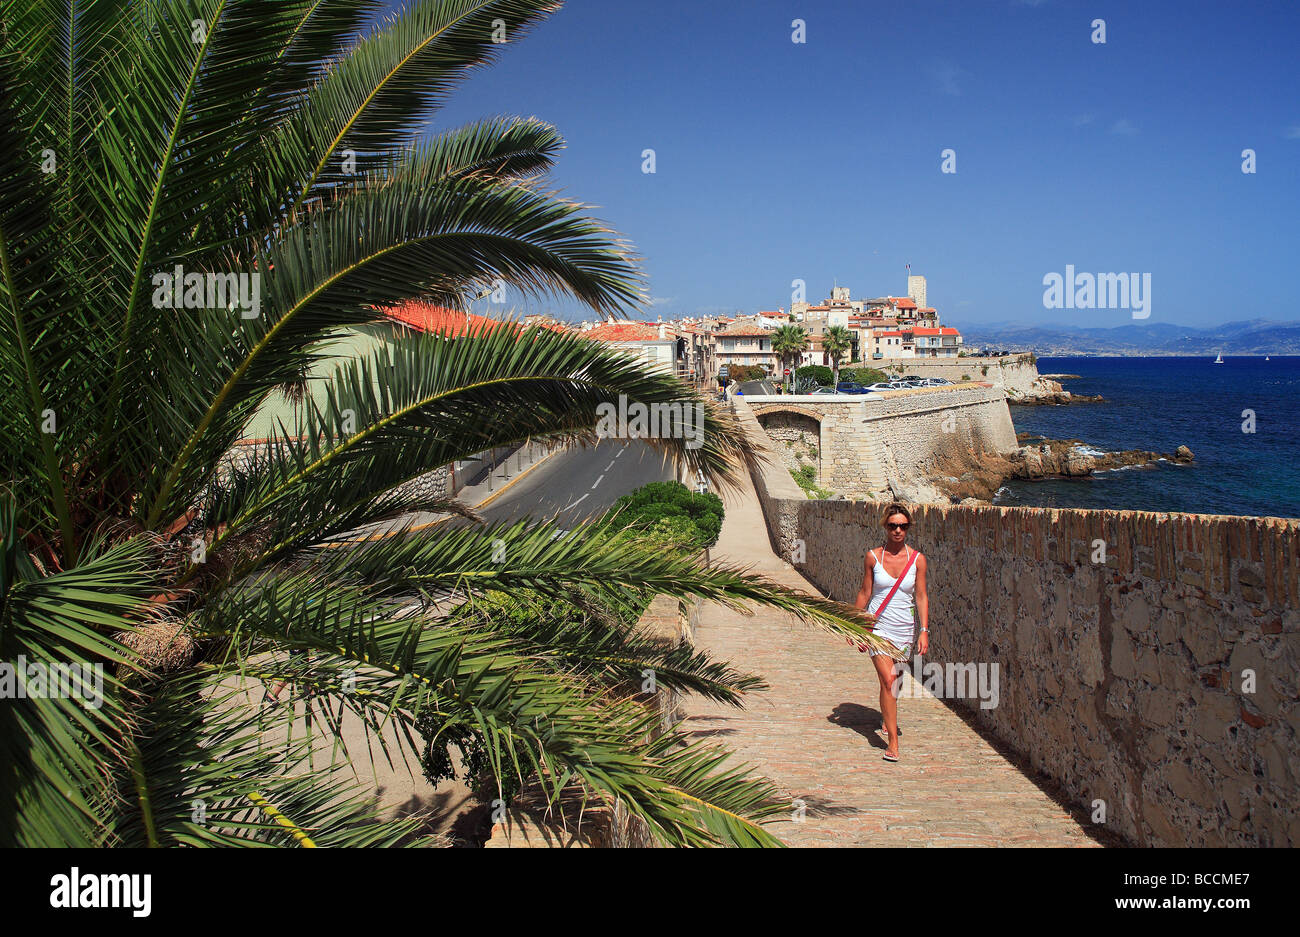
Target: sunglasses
pixel 898 526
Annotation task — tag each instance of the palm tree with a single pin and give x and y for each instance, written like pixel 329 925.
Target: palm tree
pixel 835 343
pixel 787 341
pixel 277 148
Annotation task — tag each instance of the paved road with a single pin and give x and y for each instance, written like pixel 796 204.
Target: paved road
pixel 570 485
pixel 579 482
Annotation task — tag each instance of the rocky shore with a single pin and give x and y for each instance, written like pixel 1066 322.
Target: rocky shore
pixel 1055 399
pixel 1070 458
pixel 976 478
pixel 1047 392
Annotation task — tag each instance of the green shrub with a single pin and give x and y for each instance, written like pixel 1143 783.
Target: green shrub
pixel 747 372
pixel 650 505
pixel 864 376
pixel 818 372
pixel 806 478
pixel 965 377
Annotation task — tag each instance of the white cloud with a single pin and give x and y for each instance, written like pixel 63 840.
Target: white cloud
pixel 1293 133
pixel 661 300
pixel 1124 127
pixel 1083 120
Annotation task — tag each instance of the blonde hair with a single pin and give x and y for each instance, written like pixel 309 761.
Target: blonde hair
pixel 893 509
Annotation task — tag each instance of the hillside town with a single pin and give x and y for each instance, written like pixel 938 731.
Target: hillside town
pixel 698 348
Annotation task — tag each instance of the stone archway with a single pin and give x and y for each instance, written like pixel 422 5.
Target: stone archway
pixel 796 436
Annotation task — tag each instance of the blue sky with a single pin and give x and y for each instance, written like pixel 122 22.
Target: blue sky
pixel 821 160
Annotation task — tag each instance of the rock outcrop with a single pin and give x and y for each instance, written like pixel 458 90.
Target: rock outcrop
pixel 1046 392
pixel 1056 458
pixel 1055 399
pixel 979 476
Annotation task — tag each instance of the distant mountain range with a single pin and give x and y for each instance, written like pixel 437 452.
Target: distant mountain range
pixel 1247 337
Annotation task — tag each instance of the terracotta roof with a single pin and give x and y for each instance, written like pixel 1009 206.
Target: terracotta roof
pixel 926 309
pixel 627 332
pixel 943 331
pixel 426 317
pixel 903 302
pixel 744 328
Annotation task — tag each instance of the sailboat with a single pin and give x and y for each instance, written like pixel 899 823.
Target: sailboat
pixel 1219 360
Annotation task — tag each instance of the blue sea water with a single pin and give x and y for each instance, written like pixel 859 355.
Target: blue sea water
pixel 1161 404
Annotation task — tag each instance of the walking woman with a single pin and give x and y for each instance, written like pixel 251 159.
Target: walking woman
pixel 893 584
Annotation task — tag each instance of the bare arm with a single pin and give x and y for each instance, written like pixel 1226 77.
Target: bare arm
pixel 864 590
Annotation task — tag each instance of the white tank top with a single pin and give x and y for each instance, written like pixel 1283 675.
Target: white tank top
pixel 898 617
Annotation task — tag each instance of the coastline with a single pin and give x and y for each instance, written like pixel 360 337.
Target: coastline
pixel 1235 417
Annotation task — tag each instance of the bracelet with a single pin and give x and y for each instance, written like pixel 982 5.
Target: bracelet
pixel 925 629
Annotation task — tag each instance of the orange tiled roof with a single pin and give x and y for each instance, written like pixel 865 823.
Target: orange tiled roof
pixel 744 328
pixel 942 331
pixel 426 317
pixel 627 332
pixel 903 302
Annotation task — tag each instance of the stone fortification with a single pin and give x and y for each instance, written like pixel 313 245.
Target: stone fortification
pixel 1147 662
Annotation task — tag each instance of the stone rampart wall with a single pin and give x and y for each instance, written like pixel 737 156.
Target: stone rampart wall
pixel 1146 662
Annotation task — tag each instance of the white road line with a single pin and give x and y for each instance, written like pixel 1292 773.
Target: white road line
pixel 619 454
pixel 575 504
pixel 610 466
pixel 598 481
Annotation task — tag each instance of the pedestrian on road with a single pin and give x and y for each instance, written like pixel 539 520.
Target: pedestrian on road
pixel 893 590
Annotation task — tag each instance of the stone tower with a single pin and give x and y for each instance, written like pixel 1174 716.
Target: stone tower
pixel 916 291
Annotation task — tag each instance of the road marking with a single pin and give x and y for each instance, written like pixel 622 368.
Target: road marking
pixel 610 466
pixel 598 481
pixel 619 454
pixel 575 504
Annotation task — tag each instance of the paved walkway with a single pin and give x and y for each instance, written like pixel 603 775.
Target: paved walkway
pixel 813 734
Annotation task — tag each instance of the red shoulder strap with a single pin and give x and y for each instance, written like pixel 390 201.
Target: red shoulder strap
pixel 897 582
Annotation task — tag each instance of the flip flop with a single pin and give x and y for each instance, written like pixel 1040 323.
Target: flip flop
pixel 884 736
pixel 889 757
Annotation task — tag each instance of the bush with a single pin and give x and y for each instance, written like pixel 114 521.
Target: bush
pixel 864 376
pixel 818 372
pixel 659 506
pixel 806 478
pixel 747 372
pixel 965 377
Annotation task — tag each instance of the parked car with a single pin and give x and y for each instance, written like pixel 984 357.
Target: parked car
pixel 939 382
pixel 889 385
pixel 851 387
pixel 825 390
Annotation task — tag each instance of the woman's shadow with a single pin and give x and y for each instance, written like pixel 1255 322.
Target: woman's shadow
pixel 866 722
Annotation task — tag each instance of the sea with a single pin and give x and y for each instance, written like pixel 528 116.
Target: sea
pixel 1241 419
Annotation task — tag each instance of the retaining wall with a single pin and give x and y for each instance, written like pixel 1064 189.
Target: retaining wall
pixel 1148 662
pixel 1015 374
